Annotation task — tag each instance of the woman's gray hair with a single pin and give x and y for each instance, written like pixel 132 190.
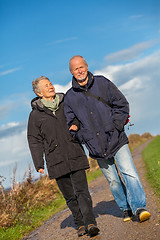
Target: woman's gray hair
pixel 35 83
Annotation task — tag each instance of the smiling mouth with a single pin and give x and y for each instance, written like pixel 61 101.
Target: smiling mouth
pixel 51 91
pixel 80 74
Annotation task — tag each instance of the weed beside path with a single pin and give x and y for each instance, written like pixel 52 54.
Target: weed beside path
pixel 108 214
pixel 151 156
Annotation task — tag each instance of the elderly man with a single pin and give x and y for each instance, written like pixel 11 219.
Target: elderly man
pixel 102 111
pixel 65 157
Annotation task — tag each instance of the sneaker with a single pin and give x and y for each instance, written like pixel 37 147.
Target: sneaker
pixel 143 214
pixel 92 230
pixel 127 215
pixel 81 231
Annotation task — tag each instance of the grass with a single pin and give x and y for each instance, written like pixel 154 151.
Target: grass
pixel 151 156
pixel 37 217
pixel 34 217
pixel 135 140
pixel 26 206
pixel 93 175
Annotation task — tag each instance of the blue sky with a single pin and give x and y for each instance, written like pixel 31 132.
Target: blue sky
pixel 119 39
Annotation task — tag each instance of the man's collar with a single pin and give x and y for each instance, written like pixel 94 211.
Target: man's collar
pixel 76 85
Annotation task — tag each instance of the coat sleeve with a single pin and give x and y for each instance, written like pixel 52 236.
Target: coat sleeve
pixel 70 116
pixel 35 141
pixel 120 106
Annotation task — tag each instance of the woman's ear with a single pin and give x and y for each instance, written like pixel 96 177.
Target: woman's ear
pixel 39 94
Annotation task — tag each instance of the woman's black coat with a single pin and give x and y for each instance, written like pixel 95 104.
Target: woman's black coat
pixel 48 133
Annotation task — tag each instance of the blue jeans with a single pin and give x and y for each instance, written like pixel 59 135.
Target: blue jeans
pixel 128 192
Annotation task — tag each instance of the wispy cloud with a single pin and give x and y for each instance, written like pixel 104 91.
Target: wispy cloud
pixel 62 89
pixel 136 16
pixel 16 104
pixel 143 69
pixel 9 71
pixel 139 81
pixel 62 40
pixel 130 53
pixel 14 151
pixel 11 129
pixel 4 110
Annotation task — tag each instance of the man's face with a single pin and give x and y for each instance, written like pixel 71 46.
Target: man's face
pixel 79 69
pixel 47 91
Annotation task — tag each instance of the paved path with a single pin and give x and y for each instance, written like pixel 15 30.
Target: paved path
pixel 108 215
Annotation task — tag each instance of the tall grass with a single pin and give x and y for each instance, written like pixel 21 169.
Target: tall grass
pixel 27 205
pixel 151 156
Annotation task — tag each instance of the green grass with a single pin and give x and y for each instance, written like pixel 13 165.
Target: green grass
pixel 36 217
pixel 151 156
pixel 93 175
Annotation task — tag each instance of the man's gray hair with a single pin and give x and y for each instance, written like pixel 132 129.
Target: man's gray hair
pixel 35 83
pixel 76 57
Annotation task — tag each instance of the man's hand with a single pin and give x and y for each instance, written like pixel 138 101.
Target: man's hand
pixel 73 128
pixel 41 170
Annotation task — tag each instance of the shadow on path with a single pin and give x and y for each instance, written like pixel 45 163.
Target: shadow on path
pixel 101 208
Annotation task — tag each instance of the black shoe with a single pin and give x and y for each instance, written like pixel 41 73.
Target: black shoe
pixel 81 231
pixel 142 214
pixel 92 230
pixel 127 215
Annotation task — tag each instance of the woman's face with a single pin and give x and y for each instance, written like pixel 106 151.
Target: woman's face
pixel 47 91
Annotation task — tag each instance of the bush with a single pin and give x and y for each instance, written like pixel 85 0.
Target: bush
pixel 17 204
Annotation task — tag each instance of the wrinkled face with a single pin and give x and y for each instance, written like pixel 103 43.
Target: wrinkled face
pixel 47 91
pixel 79 69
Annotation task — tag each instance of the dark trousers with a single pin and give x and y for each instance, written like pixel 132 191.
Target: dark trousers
pixel 74 188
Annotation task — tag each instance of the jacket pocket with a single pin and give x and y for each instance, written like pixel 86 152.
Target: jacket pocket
pixel 50 147
pixel 86 137
pixel 111 137
pixel 54 156
pixel 52 161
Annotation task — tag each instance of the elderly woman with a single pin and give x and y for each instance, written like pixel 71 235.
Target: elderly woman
pixel 65 158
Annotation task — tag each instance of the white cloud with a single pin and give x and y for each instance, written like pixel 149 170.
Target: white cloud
pixel 17 105
pixel 9 125
pixel 4 111
pixel 14 151
pixel 13 147
pixel 9 71
pixel 139 81
pixel 62 89
pixel 134 83
pixel 136 16
pixel 147 68
pixel 130 53
pixel 12 128
pixel 62 40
